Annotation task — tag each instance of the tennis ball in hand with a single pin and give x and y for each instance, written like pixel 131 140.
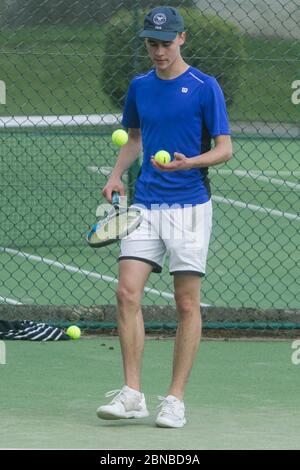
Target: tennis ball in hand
pixel 119 137
pixel 162 157
pixel 74 332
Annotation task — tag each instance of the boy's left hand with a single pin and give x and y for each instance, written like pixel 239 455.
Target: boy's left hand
pixel 180 162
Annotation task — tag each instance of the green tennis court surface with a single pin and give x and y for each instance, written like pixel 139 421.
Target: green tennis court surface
pixel 51 186
pixel 241 395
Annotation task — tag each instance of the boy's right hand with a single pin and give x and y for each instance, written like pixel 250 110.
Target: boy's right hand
pixel 111 186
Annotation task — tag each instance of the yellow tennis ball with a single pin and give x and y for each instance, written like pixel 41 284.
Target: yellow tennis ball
pixel 119 137
pixel 74 332
pixel 162 157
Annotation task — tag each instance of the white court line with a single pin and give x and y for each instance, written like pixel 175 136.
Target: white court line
pixel 103 170
pixel 7 300
pixel 266 177
pixel 252 207
pixel 68 120
pixel 243 173
pixel 270 173
pixel 74 269
pixel 257 177
pixel 106 170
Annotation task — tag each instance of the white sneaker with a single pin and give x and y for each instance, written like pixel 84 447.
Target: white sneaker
pixel 127 403
pixel 171 414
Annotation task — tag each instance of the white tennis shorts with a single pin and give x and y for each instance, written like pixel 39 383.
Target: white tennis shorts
pixel 181 233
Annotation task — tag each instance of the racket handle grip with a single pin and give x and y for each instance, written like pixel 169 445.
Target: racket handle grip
pixel 115 200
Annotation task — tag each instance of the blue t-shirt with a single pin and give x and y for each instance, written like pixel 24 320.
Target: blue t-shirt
pixel 177 115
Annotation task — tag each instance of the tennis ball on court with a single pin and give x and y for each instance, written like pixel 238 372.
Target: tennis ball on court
pixel 119 137
pixel 74 332
pixel 162 157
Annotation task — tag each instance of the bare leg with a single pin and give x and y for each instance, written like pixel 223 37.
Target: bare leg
pixel 187 296
pixel 133 276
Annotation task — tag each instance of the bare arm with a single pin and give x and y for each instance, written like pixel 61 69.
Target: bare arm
pixel 222 152
pixel 219 154
pixel 127 155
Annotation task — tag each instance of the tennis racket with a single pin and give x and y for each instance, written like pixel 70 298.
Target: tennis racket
pixel 119 222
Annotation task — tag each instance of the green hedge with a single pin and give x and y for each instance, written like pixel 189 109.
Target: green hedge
pixel 213 45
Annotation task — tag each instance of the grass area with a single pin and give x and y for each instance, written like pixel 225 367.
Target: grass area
pixel 53 70
pixel 57 70
pixel 264 94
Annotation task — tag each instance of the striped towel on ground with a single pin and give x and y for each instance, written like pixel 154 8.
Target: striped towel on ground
pixel 30 330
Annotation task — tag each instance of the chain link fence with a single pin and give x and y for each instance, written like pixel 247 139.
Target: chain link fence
pixel 64 70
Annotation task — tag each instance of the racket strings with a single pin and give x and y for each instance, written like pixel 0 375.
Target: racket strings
pixel 117 224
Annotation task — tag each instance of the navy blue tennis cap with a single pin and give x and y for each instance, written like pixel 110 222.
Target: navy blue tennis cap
pixel 163 24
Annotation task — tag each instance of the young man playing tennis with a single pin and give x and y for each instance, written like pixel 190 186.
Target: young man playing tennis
pixel 177 108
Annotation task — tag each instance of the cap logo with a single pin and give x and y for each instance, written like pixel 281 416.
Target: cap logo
pixel 159 19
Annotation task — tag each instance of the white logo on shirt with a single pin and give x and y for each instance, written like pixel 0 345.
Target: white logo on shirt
pixel 184 90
